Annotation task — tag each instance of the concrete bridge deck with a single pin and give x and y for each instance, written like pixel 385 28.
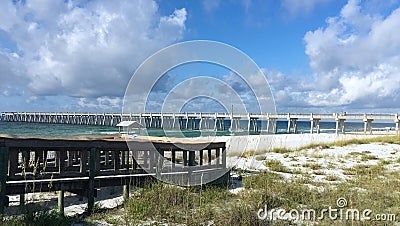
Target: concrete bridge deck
pixel 201 121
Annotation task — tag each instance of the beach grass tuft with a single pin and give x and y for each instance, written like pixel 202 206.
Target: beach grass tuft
pixel 281 150
pixel 313 166
pixel 248 154
pixel 276 165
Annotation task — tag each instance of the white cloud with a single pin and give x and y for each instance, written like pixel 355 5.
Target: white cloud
pixel 101 103
pixel 296 7
pixel 84 49
pixel 355 59
pixel 211 5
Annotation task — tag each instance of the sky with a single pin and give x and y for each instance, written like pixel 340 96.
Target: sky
pixel 318 56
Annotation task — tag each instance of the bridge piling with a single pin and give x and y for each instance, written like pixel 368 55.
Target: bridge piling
pixel 314 124
pixel 368 126
pixel 340 126
pixel 292 123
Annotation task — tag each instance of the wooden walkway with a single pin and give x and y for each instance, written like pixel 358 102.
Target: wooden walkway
pixel 83 165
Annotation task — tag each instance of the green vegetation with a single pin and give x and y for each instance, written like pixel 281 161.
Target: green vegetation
pixel 313 166
pixel 276 165
pixel 281 150
pixel 365 158
pixel 37 214
pixel 332 178
pixel 260 157
pixel 162 203
pixel 248 154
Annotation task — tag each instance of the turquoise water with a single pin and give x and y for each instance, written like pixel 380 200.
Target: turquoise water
pixel 43 129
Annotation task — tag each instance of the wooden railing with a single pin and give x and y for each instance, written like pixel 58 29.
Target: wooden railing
pixel 81 166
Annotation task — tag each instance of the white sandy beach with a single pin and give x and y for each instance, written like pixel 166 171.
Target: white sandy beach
pixel 325 165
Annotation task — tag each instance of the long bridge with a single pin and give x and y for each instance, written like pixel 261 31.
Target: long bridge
pixel 202 121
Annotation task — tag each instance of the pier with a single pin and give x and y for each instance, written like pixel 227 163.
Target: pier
pixel 81 166
pixel 204 121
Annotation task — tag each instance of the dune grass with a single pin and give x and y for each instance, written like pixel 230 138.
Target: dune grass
pixel 37 214
pixel 276 165
pixel 166 204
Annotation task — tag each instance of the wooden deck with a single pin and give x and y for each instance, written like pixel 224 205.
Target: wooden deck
pixel 81 165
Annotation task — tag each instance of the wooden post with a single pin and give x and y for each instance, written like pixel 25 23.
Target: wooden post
pixel 22 199
pixel 123 160
pixel 152 159
pixel 134 160
pixel 106 158
pixel 83 166
pixel 201 158
pixel 116 161
pixel 97 161
pixel 217 154
pixel 185 160
pixel 160 161
pixel 13 162
pixel 223 157
pixel 37 157
pixel 126 191
pixel 126 154
pixel 92 172
pixel 209 156
pixel 3 177
pixel 145 159
pixel 70 153
pixel 173 158
pixel 192 158
pixel 26 156
pixel 61 202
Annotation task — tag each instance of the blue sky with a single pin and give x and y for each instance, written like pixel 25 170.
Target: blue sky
pixel 317 55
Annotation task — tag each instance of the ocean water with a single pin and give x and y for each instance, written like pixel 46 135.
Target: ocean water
pixel 54 130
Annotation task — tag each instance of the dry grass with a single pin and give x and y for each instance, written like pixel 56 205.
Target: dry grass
pixel 277 166
pixel 313 166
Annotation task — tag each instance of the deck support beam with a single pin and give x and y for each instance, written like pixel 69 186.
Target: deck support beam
pixel 61 202
pixel 125 191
